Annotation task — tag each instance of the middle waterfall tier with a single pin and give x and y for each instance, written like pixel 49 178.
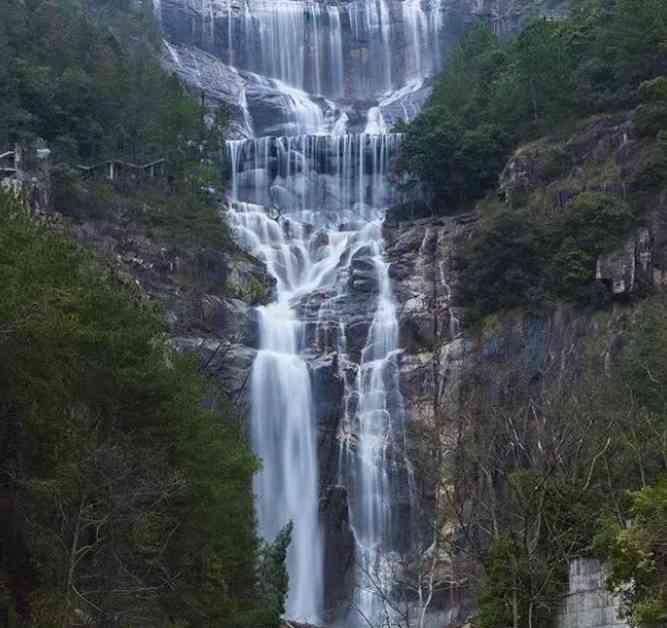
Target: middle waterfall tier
pixel 323 172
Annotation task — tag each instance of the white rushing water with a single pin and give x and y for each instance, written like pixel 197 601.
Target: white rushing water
pixel 309 200
pixel 282 422
pixel 332 171
pixel 374 413
pixel 302 43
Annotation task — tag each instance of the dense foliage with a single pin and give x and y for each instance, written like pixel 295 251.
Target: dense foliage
pixel 494 94
pixel 519 258
pixel 183 214
pixel 638 555
pixel 124 498
pixel 548 470
pixel 542 241
pixel 125 490
pixel 84 77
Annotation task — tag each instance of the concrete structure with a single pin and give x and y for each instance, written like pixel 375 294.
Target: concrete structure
pixel 25 172
pixel 588 604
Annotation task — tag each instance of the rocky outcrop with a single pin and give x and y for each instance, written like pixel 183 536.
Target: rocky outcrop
pixel 444 360
pixel 339 549
pixel 605 154
pixel 207 294
pixel 507 16
pixel 562 168
pixel 220 83
pixel 421 257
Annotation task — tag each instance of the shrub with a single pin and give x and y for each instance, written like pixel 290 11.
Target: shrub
pixel 596 221
pixel 654 91
pixel 651 118
pixel 652 172
pixel 637 555
pixel 502 266
pixel 518 259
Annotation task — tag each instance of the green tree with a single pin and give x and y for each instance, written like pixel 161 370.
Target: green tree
pixel 638 556
pixel 130 473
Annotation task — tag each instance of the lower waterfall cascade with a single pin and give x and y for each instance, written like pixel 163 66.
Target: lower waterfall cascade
pixel 310 180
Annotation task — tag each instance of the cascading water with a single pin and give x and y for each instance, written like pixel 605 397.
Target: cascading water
pixel 308 198
pixel 282 425
pixel 370 467
pixel 332 172
pixel 334 50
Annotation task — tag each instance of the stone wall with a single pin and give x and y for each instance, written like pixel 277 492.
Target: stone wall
pixel 588 604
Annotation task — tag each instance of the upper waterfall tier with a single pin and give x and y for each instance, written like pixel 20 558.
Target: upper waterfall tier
pixel 356 49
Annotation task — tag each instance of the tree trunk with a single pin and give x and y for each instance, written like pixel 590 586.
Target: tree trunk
pixel 515 602
pixel 72 565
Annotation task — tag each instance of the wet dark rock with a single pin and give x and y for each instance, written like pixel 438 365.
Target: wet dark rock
pixel 328 390
pixel 338 547
pixel 356 336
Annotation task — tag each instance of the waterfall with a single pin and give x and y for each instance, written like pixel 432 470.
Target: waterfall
pixel 307 44
pixel 332 172
pixel 282 421
pixel 374 412
pixel 308 198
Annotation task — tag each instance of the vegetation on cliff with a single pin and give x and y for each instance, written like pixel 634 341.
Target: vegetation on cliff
pixel 496 94
pixel 125 476
pixel 541 243
pixel 550 466
pixel 85 77
pixel 522 258
pixel 570 117
pixel 126 479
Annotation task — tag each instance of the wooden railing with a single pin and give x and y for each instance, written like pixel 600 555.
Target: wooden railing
pixel 114 169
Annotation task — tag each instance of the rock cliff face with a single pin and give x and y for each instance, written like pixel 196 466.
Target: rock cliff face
pixel 606 154
pixel 507 16
pixel 207 293
pixel 353 53
pixel 444 360
pixel 431 332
